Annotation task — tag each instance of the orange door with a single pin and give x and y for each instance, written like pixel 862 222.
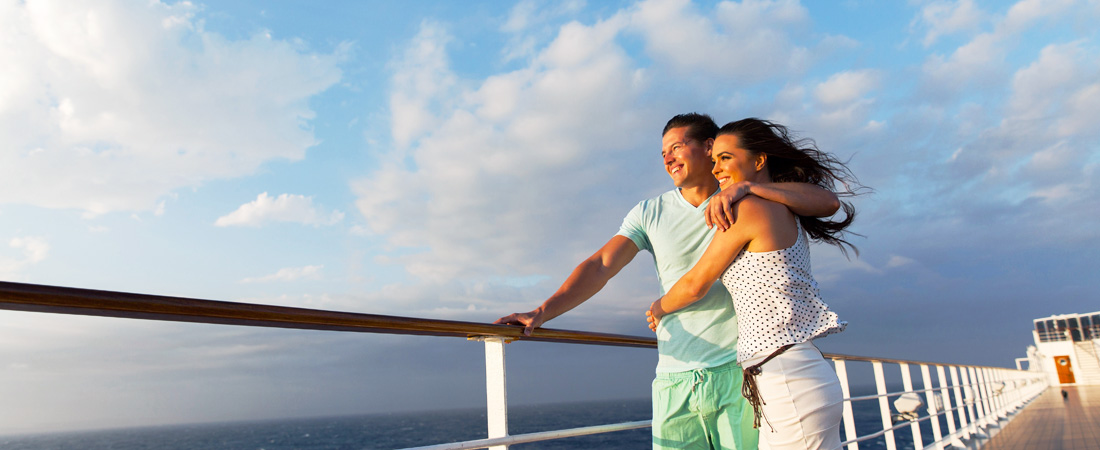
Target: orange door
pixel 1065 369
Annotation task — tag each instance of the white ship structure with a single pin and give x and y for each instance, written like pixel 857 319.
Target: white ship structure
pixel 1066 349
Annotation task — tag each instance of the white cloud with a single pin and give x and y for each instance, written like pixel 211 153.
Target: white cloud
pixel 520 16
pixel 109 106
pixel 1026 12
pixel 979 61
pixel 837 110
pixel 846 87
pixel 289 274
pixel 284 208
pixel 1018 152
pixel 530 23
pixel 1056 192
pixel 1082 109
pixel 33 250
pixel 1031 143
pixel 414 90
pixel 489 174
pixel 976 59
pixel 1039 87
pixel 899 261
pixel 943 18
pixel 528 13
pixel 748 41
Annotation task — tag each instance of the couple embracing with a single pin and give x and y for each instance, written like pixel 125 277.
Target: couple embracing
pixel 748 197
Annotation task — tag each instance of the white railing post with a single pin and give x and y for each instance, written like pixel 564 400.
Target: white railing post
pixel 1019 385
pixel 946 396
pixel 1011 393
pixel 1000 397
pixel 849 417
pixel 907 385
pixel 1014 396
pixel 884 406
pixel 991 402
pixel 1010 390
pixel 971 412
pixel 933 412
pixel 959 402
pixel 982 398
pixel 496 390
pixel 994 397
pixel 987 388
pixel 1023 390
pixel 979 405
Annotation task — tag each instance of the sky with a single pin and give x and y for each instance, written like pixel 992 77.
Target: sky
pixel 456 160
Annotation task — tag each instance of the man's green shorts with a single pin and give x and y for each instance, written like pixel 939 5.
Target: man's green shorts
pixel 702 409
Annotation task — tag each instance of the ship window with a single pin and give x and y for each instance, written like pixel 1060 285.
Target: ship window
pixel 1041 327
pixel 1061 324
pixel 1073 322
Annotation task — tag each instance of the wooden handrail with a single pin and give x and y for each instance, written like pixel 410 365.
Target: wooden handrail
pixel 88 302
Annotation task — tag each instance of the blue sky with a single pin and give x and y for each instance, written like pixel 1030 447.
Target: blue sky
pixel 455 161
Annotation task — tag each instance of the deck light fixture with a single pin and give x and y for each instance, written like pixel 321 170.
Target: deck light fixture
pixel 907 405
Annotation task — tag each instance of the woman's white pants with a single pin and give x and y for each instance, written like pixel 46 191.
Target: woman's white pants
pixel 802 400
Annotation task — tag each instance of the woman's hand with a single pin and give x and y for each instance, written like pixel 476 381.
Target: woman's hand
pixel 720 211
pixel 654 315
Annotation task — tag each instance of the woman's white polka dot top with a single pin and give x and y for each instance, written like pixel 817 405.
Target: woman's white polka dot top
pixel 777 299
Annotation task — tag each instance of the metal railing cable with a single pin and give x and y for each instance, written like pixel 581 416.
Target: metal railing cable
pixel 982 395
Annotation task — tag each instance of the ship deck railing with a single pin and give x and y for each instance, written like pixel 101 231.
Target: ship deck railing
pixel 962 402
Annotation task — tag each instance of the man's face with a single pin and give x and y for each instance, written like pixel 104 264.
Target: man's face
pixel 687 161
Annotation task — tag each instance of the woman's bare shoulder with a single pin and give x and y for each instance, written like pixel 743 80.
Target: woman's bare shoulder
pixel 768 224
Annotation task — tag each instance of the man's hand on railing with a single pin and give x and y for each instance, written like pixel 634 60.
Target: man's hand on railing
pixel 530 320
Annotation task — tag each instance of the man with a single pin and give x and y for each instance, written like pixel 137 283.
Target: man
pixel 697 401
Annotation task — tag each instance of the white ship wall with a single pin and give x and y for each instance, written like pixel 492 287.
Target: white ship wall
pixel 1082 355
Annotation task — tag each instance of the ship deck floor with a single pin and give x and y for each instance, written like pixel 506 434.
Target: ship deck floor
pixel 1053 423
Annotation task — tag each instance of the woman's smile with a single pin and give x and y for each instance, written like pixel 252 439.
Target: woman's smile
pixel 732 163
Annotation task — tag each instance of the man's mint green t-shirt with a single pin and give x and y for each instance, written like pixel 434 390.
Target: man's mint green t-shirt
pixel 704 334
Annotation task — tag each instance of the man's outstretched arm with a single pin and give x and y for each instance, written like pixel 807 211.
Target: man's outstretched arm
pixel 803 199
pixel 586 280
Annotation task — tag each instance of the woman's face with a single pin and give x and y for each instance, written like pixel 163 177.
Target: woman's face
pixel 733 164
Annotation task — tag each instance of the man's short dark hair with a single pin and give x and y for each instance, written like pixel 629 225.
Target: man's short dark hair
pixel 700 126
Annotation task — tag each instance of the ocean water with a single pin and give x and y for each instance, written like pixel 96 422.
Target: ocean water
pixel 380 431
pixel 393 431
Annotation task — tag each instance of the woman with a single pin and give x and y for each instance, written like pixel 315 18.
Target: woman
pixel 763 259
